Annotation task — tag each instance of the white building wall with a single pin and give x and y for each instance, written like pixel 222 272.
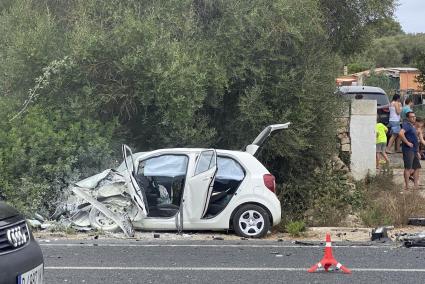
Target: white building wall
pixel 363 138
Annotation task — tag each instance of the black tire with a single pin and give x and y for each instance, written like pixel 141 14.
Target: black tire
pixel 259 218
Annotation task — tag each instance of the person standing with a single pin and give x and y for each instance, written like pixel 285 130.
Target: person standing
pixel 410 147
pixel 419 125
pixel 408 104
pixel 395 110
pixel 381 143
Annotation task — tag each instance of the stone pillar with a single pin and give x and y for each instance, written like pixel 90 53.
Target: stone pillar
pixel 363 138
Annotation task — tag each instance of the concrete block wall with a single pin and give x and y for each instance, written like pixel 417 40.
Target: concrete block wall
pixel 363 138
pixel 356 140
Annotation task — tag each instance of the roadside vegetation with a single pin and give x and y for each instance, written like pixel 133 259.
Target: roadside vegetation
pixel 384 204
pixel 296 228
pixel 78 78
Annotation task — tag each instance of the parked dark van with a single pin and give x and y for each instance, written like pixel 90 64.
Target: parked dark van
pixel 369 93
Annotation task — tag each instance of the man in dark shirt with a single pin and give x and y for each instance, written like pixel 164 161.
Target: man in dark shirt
pixel 410 148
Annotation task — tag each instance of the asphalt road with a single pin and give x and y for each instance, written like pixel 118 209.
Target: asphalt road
pixel 215 261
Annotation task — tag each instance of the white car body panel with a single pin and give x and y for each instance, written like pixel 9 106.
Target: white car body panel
pixel 251 190
pixel 237 177
pixel 198 190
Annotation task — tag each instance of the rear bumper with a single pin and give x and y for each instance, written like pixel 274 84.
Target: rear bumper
pixel 276 211
pixel 15 263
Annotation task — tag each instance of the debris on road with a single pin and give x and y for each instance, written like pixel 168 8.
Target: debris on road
pixel 381 233
pixel 412 240
pixel 416 221
pixel 218 238
pixel 304 243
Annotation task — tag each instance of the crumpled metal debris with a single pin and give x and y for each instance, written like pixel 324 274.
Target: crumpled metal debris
pixel 381 234
pixel 416 221
pixel 412 240
pixel 101 201
pixel 34 223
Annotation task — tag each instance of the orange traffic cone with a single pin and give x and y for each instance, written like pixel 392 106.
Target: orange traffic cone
pixel 328 259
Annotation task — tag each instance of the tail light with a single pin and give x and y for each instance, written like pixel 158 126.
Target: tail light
pixel 269 182
pixel 385 109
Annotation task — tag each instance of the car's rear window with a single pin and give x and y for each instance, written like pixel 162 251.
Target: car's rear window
pixel 381 99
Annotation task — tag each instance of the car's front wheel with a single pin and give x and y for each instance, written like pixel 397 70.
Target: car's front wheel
pixel 100 221
pixel 251 221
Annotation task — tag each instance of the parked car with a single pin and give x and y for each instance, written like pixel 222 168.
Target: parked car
pixel 185 189
pixel 369 93
pixel 21 260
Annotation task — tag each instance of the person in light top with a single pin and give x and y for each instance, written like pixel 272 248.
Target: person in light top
pixel 408 104
pixel 395 110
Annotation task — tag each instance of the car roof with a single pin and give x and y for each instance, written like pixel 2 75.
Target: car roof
pixel 187 151
pixel 244 157
pixel 361 89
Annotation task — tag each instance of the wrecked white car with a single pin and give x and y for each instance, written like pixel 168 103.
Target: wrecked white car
pixel 183 189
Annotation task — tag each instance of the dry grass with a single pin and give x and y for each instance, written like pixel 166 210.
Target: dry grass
pixel 386 205
pixel 400 206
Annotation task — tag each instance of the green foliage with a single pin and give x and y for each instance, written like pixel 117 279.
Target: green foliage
pixel 387 83
pixel 351 24
pixel 79 77
pixel 321 199
pixel 44 152
pixel 296 228
pixel 386 50
pixel 373 216
pixel 395 51
pixel 384 27
pixel 357 67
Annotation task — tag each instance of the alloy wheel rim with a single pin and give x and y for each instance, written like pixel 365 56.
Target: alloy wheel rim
pixel 251 223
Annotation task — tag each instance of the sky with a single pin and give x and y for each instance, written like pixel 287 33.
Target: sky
pixel 411 14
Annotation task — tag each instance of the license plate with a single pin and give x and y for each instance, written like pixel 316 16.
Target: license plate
pixel 34 276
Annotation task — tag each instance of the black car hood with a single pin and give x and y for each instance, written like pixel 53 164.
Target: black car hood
pixel 7 211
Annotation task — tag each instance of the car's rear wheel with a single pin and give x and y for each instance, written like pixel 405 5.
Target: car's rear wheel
pixel 251 221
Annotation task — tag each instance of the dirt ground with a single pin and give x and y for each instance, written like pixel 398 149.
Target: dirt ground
pixel 396 161
pixel 312 234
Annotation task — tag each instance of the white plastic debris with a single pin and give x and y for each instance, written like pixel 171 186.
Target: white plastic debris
pixel 34 223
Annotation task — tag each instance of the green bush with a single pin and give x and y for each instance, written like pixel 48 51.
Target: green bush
pixel 166 74
pixel 322 199
pixel 296 228
pixel 44 151
pixel 375 216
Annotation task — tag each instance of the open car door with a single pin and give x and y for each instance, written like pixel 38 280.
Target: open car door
pixel 200 185
pixel 137 194
pixel 262 137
